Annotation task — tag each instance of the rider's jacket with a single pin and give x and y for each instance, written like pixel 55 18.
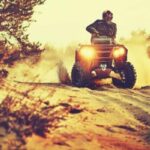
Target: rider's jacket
pixel 104 28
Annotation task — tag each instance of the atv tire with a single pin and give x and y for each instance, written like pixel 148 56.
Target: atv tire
pixel 80 78
pixel 128 75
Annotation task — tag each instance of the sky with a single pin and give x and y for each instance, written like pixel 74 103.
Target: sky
pixel 61 22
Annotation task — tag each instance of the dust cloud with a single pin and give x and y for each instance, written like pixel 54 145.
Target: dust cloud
pixel 139 54
pixel 54 64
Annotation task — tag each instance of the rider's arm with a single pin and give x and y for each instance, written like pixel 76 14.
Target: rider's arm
pixel 92 28
pixel 112 30
pixel 115 31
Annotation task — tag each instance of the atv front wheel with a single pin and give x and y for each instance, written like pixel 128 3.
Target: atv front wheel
pixel 128 75
pixel 80 78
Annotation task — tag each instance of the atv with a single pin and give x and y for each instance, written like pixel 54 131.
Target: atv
pixel 100 60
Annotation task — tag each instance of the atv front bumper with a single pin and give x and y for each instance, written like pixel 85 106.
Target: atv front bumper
pixel 105 73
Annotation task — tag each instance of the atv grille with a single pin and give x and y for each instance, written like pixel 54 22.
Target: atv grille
pixel 104 53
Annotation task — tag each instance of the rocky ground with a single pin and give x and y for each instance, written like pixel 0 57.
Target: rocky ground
pixel 55 116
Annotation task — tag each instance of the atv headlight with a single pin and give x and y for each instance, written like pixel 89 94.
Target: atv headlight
pixel 87 52
pixel 118 52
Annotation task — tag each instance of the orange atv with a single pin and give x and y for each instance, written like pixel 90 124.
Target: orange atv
pixel 101 60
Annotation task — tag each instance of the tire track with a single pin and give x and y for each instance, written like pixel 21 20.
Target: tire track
pixel 138 112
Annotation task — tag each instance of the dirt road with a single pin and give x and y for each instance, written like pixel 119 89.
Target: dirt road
pixel 55 116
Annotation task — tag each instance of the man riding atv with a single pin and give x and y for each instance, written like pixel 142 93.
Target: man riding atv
pixel 103 58
pixel 104 27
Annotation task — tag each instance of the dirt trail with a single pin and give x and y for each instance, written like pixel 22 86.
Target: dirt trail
pixel 107 118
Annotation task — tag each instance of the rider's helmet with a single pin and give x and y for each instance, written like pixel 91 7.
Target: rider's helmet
pixel 107 15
